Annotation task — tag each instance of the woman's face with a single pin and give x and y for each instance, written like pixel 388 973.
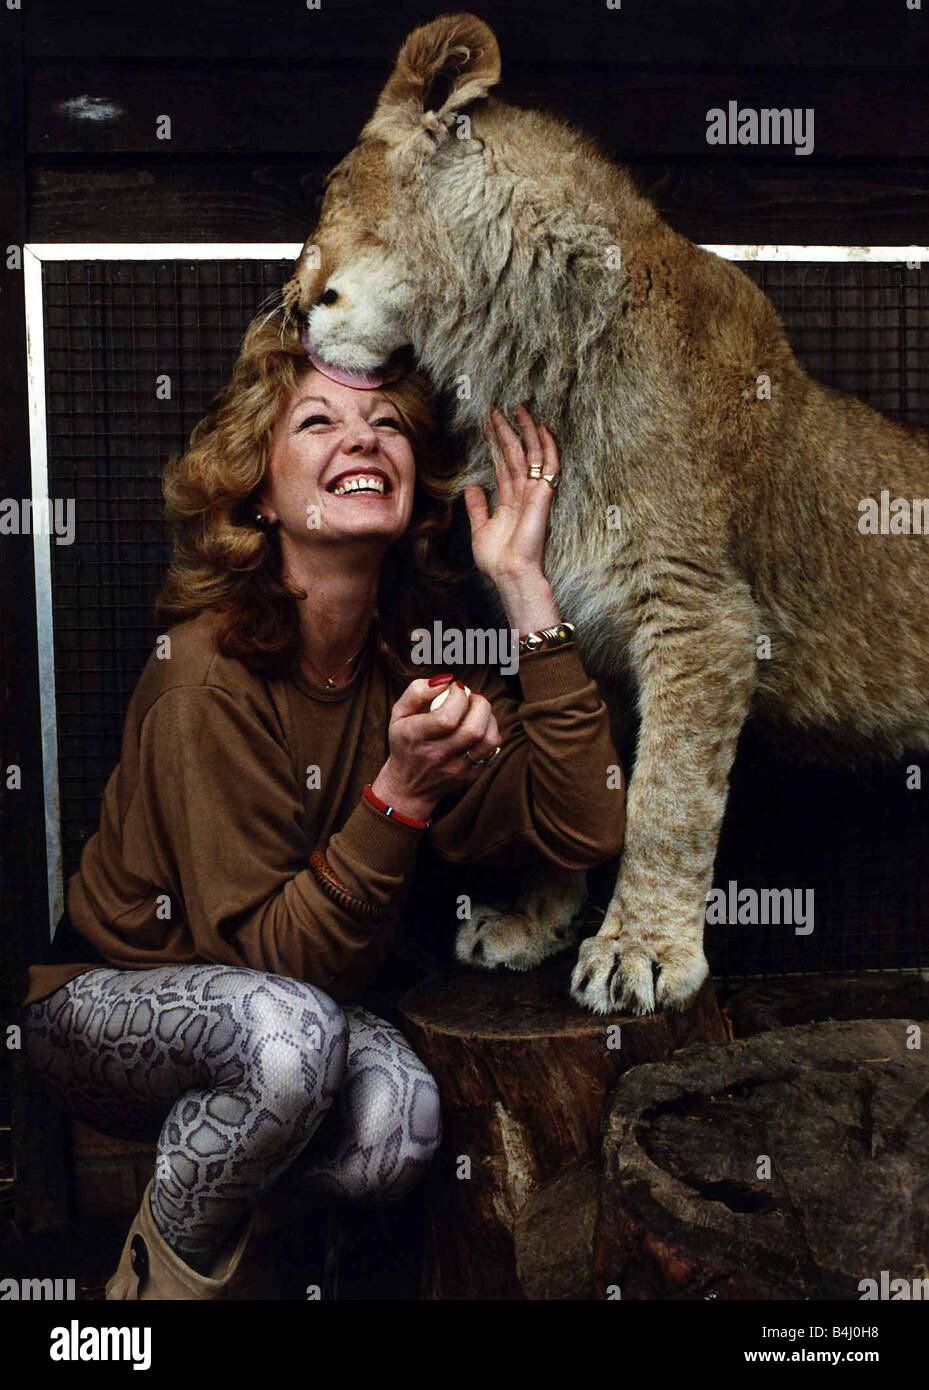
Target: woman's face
pixel 341 465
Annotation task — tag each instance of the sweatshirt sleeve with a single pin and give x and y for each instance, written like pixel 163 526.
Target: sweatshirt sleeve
pixel 219 803
pixel 556 789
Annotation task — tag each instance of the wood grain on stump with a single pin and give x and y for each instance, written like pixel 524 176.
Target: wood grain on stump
pixel 524 1074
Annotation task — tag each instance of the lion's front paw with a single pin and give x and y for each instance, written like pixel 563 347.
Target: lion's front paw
pixel 624 975
pixel 496 936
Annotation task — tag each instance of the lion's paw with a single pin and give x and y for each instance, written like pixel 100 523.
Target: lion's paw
pixel 622 975
pixel 495 936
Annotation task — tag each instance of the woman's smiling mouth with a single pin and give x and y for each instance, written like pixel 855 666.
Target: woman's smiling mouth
pixel 360 483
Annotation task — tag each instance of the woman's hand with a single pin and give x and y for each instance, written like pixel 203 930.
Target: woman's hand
pixel 509 545
pixel 427 747
pixel 513 539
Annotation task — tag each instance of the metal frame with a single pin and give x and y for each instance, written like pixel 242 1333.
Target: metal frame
pixel 35 253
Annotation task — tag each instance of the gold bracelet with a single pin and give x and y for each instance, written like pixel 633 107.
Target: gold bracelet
pixel 338 893
pixel 547 637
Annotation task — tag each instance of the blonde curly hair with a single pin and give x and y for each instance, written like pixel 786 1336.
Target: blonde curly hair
pixel 225 562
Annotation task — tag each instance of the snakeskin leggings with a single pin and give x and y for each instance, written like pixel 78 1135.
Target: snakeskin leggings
pixel 234 1071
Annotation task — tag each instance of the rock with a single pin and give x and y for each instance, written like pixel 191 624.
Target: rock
pixel 837 1113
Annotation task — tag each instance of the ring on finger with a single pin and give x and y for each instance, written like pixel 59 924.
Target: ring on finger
pixel 481 762
pixel 553 479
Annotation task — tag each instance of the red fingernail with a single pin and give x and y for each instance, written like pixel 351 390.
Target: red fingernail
pixel 440 680
pixel 461 683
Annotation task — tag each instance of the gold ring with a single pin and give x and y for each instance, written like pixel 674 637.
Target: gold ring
pixel 482 762
pixel 553 479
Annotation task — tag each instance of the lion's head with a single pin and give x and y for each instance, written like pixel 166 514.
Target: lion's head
pixel 478 234
pixel 354 287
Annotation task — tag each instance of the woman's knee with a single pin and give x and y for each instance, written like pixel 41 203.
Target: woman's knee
pixel 400 1132
pixel 293 1041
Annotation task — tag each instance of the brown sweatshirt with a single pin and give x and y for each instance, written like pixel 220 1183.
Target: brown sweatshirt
pixel 228 780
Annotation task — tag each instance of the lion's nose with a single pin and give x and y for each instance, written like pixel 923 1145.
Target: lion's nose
pixel 328 297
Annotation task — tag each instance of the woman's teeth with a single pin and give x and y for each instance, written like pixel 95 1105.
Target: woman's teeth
pixel 360 484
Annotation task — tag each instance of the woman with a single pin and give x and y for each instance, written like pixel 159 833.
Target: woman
pixel 278 770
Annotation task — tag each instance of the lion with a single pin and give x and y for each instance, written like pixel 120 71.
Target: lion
pixel 710 537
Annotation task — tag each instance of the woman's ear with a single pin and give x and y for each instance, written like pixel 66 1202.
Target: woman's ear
pixel 442 67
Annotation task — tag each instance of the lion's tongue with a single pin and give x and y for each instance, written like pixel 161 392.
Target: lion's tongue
pixel 361 381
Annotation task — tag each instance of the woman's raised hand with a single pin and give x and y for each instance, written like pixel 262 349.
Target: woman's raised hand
pixel 511 542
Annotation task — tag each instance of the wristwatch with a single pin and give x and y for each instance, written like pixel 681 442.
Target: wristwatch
pixel 547 637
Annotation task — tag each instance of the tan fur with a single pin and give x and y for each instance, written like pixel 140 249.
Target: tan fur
pixel 491 248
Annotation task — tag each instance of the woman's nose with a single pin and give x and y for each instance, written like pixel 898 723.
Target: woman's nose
pixel 362 442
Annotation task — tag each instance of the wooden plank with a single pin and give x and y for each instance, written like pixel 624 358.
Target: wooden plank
pixel 96 107
pixel 836 202
pixel 860 33
pixel 238 198
pixel 39 1191
pixel 227 198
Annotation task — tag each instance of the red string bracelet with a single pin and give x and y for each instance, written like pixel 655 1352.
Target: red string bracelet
pixel 380 805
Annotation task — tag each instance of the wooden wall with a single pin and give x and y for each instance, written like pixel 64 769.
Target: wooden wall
pixel 265 94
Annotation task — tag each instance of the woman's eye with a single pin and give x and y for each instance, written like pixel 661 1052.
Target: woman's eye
pixel 389 420
pixel 315 420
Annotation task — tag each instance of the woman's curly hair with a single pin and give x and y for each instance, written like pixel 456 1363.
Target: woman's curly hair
pixel 225 562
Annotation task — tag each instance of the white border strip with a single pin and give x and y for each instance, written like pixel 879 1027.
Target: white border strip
pixel 166 250
pixel 859 255
pixel 42 561
pixel 290 250
pixel 34 253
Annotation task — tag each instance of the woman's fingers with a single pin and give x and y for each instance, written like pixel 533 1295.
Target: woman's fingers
pixel 505 494
pixel 539 451
pixel 478 733
pixel 417 697
pixel 519 525
pixel 551 463
pixel 512 448
pixel 476 504
pixel 533 455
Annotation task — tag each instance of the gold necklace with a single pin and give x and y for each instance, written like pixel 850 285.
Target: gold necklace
pixel 329 683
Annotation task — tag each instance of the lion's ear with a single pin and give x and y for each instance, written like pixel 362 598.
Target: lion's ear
pixel 442 67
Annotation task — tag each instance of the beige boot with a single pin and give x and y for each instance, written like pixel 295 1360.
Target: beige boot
pixel 149 1269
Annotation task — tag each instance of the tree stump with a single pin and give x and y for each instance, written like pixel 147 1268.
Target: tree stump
pixel 554 1234
pixel 788 1166
pixel 524 1074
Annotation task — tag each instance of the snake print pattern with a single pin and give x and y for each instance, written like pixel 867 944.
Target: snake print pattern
pixel 234 1071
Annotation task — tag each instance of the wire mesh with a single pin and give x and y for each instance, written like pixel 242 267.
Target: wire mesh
pixel 134 352
pixel 858 841
pixel 114 328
